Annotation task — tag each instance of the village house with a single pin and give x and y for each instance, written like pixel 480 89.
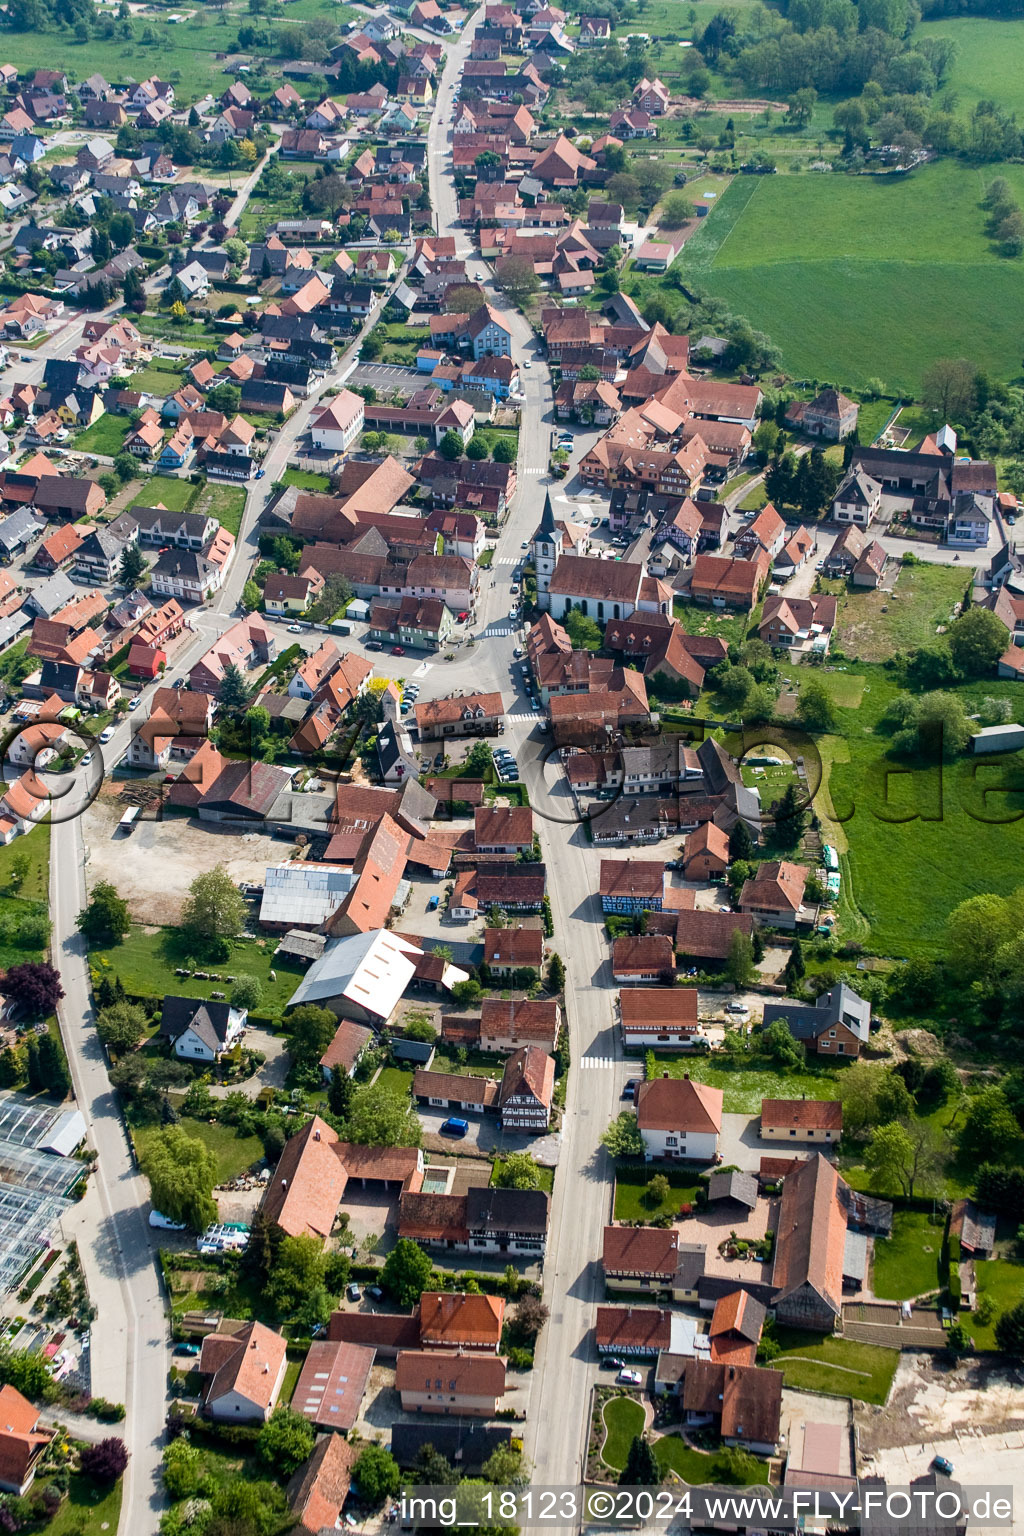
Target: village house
pixel 838 1024
pixel 527 1086
pixel 659 1018
pixel 679 1118
pixel 802 1120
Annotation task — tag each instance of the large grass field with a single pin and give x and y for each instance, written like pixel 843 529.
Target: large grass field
pixel 104 436
pixel 907 1263
pixel 837 1367
pixel 913 842
pixel 988 65
pixel 147 959
pixel 234 1153
pixel 871 625
pixel 744 1087
pixel 36 884
pixel 861 277
pixel 166 490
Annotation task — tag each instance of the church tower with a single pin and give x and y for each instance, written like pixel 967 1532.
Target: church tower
pixel 544 548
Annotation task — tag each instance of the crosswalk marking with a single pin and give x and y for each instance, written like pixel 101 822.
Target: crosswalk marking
pixel 597 1061
pixel 507 560
pixel 533 715
pixel 499 629
pixel 534 471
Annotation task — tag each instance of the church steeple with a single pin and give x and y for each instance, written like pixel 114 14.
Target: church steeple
pixel 545 545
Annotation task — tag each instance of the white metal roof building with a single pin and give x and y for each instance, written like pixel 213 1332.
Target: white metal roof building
pixel 361 977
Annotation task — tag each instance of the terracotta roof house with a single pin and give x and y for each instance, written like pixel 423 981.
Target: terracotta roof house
pixel 775 894
pixel 243 1372
pixel 512 949
pixel 461 715
pixel 651 1259
pixel 643 957
pixel 658 1018
pixel 343 1053
pixel 632 885
pixel 331 1384
pixel 527 1087
pixel 385 1332
pixel 644 1331
pixel 724 583
pixel 462 1091
pixel 742 1402
pixel 807 1274
pixel 431 1381
pixel 459 1321
pixel 706 853
pixel 706 935
pixel 508 1024
pixel 801 1120
pixel 317 1492
pixel 798 624
pixel 305 1191
pixel 503 829
pixel 679 1118
pixel 829 415
pixel 766 533
pixel 22 1441
pixel 736 1326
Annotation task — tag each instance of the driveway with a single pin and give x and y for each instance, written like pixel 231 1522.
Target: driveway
pixel 485 1135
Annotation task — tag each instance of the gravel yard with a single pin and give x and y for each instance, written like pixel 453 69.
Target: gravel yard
pixel 154 866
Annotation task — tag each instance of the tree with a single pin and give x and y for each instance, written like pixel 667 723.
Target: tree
pixel 432 1470
pixel 478 761
pixel 504 451
pixel 105 919
pixel 623 1138
pixel 420 1029
pixel 182 1469
pixel 517 1170
pixel 125 467
pixel 741 844
pixel 181 1173
pixel 376 1474
pixel 239 1508
pixel 296 1288
pixel 406 1272
pixel 450 447
pixel 121 1026
pixel 790 816
pixel 1010 1331
pixel 958 1340
pixel 583 631
pixel 310 1032
pixel 246 992
pixel 556 973
pixel 977 639
pixel 105 1461
pixel 467 992
pixel 658 1190
pixel 814 708
pixel 901 1153
pixel 801 105
pixel 477 449
pixel 778 1044
pixel 234 691
pixel 48 1066
pixel 132 567
pixel 988 1125
pixel 871 1095
pixel 950 387
pixel 641 1469
pixel 515 276
pixel 18 869
pixel 676 210
pixel 34 986
pixel 795 968
pixel 214 909
pixel 380 1118
pixel 339 1093
pixel 739 965
pixel 285 1441
pixel 251 597
pixel 504 1466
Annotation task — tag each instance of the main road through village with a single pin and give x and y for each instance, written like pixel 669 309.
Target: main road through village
pixel 129 1353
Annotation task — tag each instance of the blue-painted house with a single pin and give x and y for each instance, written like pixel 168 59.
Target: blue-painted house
pixel 631 886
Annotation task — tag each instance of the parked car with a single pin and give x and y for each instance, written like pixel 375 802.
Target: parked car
pixel 629 1089
pixel 353 1292
pixel 295 629
pixel 106 733
pixel 133 704
pixel 517 652
pixel 455 1127
pixel 611 1363
pixel 943 1464
pixel 374 645
pixel 627 1378
pixel 738 1010
pixel 398 650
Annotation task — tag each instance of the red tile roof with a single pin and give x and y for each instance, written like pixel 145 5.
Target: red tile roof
pixel 453 1320
pixel 679 1104
pixel 802 1114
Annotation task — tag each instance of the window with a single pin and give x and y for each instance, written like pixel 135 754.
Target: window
pixel 792 1133
pixel 671 1141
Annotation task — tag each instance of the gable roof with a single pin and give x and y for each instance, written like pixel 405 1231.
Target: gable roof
pixel 811 1233
pixel 679 1104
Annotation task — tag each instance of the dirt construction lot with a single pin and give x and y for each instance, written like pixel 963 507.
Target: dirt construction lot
pixel 931 1401
pixel 154 866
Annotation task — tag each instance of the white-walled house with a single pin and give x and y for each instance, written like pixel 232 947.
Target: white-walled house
pixel 679 1118
pixel 339 423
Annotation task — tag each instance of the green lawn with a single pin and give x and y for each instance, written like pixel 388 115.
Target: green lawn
pixel 90 1509
pixel 907 1263
pixel 623 1420
pixel 694 1467
pixel 104 436
pixel 730 627
pixel 395 1080
pixel 631 1201
pixel 837 1367
pixel 161 378
pixel 13 909
pixel 147 959
pixel 173 493
pixel 859 277
pixel 224 502
pixel 36 884
pixel 545 1176
pixel 1003 1281
pixel 745 1086
pixel 234 1153
pixel 305 479
pixel 871 625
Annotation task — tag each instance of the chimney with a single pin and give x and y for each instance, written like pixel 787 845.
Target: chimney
pixel 284 1183
pixel 316 1135
pixel 686 1077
